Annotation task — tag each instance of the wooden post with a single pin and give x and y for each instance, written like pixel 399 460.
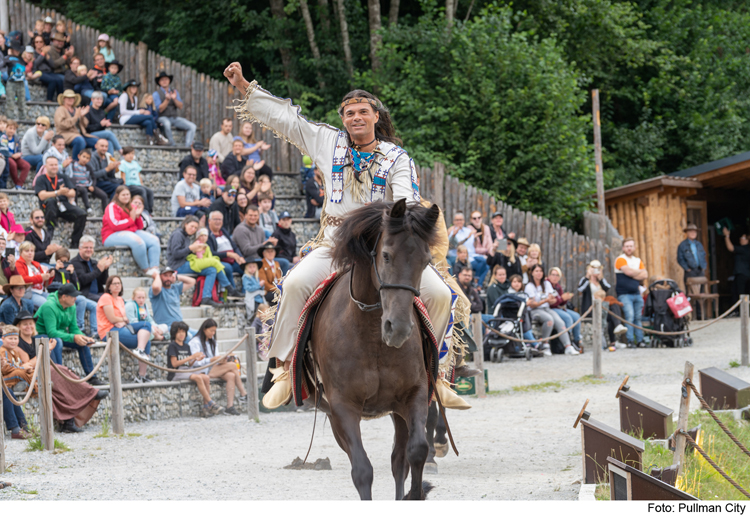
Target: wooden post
pixel 679 440
pixel 599 168
pixel 143 64
pixel 596 338
pixel 251 383
pixel 744 329
pixel 476 322
pixel 115 384
pixel 45 396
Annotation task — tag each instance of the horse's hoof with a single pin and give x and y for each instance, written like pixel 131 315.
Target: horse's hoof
pixel 441 449
pixel 430 468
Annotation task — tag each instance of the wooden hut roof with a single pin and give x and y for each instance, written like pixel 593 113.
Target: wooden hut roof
pixel 660 184
pixel 732 172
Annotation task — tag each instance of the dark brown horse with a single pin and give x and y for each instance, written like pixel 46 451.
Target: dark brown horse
pixel 366 338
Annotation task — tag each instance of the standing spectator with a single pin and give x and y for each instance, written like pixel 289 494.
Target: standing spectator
pixel 222 141
pixel 57 150
pixel 71 121
pixel 35 141
pixel 53 193
pixel 314 195
pixel 15 300
pixel 253 149
pixel 111 315
pixel 235 161
pixel 132 177
pixel 221 245
pixel 98 123
pixel 104 168
pixel 254 289
pixel 122 226
pixel 164 295
pixel 541 294
pixel 40 238
pixel 10 147
pixel 15 102
pixel 169 104
pixel 227 206
pixel 92 274
pixel 741 263
pixel 268 218
pixel 83 180
pixel 111 83
pixel 195 159
pixel 269 271
pixel 286 241
pixel 7 219
pixel 103 46
pixel 186 196
pixel 569 317
pixel 64 272
pixel 691 255
pixel 131 114
pixel 630 271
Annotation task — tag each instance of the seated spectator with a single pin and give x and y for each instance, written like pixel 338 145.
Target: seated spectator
pixel 7 262
pixel 522 247
pixel 462 260
pixel 590 284
pixel 186 198
pixel 222 141
pixel 47 30
pixel 253 287
pixel 33 273
pixel 459 235
pixel 286 242
pixel 465 281
pixel 135 335
pixel 103 46
pixel 32 76
pixel 482 246
pixel 214 171
pixel 169 103
pixel 53 194
pixel 7 219
pixel 534 255
pixel 221 245
pixel 499 286
pixel 111 84
pixel 131 171
pixel 268 218
pixel 207 189
pixel 270 271
pixel 15 302
pixel 92 274
pixel 569 317
pixel 98 123
pixel 137 310
pixel 122 226
pixel 253 149
pixel 40 238
pixel 35 141
pixel 13 416
pixel 541 294
pixel 71 121
pixel 83 180
pixel 111 101
pixel 58 151
pixel 73 404
pixel 196 160
pixel 178 249
pixel 64 272
pixel 15 237
pixel 57 319
pixel 235 161
pixel 242 204
pixel 60 28
pixel 149 224
pixel 51 62
pixel 104 168
pixel 227 206
pixel 147 103
pixel 307 170
pixel 72 79
pixel 314 195
pixel 15 368
pixel 516 288
pixel 249 184
pixel 10 147
pixel 131 114
pixel 249 236
pixel 179 356
pixel 38 28
pixel 202 257
pixel 227 369
pixel 164 295
pixel 264 189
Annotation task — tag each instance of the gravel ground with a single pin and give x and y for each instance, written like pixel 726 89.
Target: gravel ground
pixel 517 444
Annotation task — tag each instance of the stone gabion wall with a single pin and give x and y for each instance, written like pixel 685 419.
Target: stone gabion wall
pixel 127 135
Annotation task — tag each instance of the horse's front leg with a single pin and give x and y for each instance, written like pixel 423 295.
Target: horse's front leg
pixel 417 448
pixel 399 464
pixel 345 422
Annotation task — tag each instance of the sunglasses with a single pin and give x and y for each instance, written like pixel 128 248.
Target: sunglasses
pixel 42 124
pixel 231 192
pixel 476 218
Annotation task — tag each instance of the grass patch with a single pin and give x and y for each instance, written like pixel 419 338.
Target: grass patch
pixel 35 441
pixel 542 386
pixel 554 385
pixel 734 363
pixel 133 434
pixel 23 491
pixel 105 426
pixel 602 492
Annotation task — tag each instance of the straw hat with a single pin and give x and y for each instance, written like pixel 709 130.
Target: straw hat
pixel 689 227
pixel 69 93
pixel 522 241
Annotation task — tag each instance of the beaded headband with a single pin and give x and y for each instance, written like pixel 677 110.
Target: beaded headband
pixel 10 334
pixel 354 100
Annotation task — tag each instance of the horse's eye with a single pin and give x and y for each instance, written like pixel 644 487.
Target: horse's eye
pixel 386 258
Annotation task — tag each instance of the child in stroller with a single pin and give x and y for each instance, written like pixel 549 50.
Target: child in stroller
pixel 663 319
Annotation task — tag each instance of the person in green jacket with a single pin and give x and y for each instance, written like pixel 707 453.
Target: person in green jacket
pixel 499 286
pixel 56 318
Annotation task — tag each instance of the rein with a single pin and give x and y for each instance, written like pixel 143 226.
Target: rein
pixel 369 308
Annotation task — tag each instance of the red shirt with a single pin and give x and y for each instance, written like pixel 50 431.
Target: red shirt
pixel 116 219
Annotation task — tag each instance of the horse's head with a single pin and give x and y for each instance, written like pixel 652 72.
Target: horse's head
pixel 400 237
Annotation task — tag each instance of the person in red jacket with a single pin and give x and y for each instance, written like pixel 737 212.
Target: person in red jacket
pixel 33 273
pixel 122 226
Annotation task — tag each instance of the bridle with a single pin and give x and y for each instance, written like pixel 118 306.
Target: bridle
pixel 369 308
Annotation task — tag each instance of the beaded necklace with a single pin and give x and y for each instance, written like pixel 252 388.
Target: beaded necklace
pixel 361 161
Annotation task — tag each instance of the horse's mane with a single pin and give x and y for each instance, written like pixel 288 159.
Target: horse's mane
pixel 355 238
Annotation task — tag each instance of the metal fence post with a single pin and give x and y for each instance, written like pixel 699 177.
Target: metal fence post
pixel 115 384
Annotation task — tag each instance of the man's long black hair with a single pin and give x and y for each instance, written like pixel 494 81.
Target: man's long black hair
pixel 384 130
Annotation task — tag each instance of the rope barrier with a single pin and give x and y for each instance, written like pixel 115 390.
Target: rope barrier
pixel 715 418
pixel 212 363
pixel 547 339
pixel 87 377
pixel 676 333
pixel 26 398
pixel 711 462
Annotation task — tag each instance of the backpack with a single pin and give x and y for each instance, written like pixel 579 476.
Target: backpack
pixel 198 291
pixel 16 69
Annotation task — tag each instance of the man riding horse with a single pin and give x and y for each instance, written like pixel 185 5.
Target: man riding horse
pixel 361 164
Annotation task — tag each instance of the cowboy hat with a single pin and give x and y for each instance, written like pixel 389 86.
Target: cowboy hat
pixel 267 246
pixel 119 65
pixel 163 74
pixel 69 93
pixel 690 226
pixel 129 83
pixel 58 36
pixel 522 241
pixel 15 281
pixel 21 316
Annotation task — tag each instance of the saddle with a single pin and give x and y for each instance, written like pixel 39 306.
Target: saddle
pixel 303 369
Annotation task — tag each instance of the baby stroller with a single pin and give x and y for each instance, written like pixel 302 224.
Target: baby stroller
pixel 507 319
pixel 662 317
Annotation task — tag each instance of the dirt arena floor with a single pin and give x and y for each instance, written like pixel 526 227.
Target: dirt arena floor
pixel 517 444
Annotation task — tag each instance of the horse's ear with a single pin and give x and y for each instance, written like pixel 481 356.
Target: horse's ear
pixel 433 214
pixel 399 209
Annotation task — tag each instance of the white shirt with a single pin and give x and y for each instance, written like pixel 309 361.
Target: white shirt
pixel 182 189
pixel 538 293
pixel 223 244
pixel 465 237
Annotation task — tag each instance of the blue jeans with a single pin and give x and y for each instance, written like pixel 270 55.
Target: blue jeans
pixel 108 135
pixel 147 122
pixel 107 186
pixel 632 306
pixel 84 304
pixel 54 82
pixel 268 232
pixel 146 248
pixel 211 276
pixel 35 161
pixel 570 317
pixel 198 211
pixel 480 267
pixel 84 353
pixel 232 269
pixel 12 414
pixel 37 299
pixel 178 123
pixel 81 142
pixel 284 264
pixel 130 340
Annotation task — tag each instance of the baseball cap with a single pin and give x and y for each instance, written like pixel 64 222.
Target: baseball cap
pixel 68 290
pixel 168 270
pixel 212 153
pixel 497 214
pixel 285 215
pixel 198 146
